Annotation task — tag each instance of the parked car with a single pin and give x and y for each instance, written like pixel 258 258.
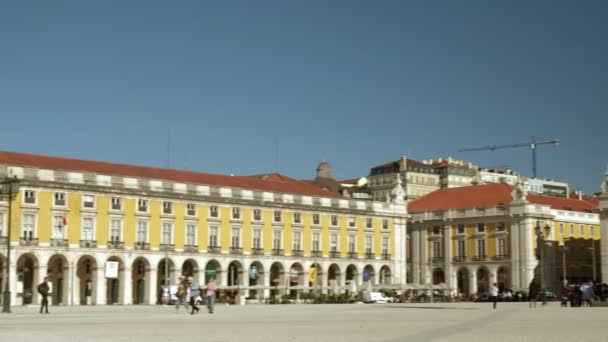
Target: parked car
pixel 376 297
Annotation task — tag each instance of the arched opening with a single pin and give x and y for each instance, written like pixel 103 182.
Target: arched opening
pixel 503 279
pixel 256 276
pixel 276 278
pixel 438 276
pixel 483 280
pixel 190 269
pixel 385 275
pixel 235 274
pixel 165 276
pixel 351 278
pixel 140 275
pixel 369 275
pixel 87 279
pixel 58 273
pixel 296 275
pixel 213 270
pixel 333 277
pixel 27 272
pixel 462 280
pixel 114 293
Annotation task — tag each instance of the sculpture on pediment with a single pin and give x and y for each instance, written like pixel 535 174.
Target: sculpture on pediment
pixel 520 193
pixel 604 185
pixel 398 193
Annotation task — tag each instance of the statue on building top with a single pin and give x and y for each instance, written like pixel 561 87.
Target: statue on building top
pixel 398 193
pixel 604 185
pixel 520 192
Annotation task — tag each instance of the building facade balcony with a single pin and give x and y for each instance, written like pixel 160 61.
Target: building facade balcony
pixel 59 243
pixel 502 257
pixel 3 240
pixel 88 244
pixel 386 256
pixel 334 254
pixel 437 259
pixel 480 258
pixel 28 241
pixel 317 254
pixel 191 248
pixel 167 247
pixel 460 258
pixel 214 249
pixel 141 246
pixel 257 251
pixel 353 255
pixel 115 244
pixel 370 255
pixel 297 252
pixel 278 252
pixel 236 250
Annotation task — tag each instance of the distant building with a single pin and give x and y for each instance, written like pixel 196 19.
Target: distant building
pixel 536 185
pixel 452 173
pixel 419 178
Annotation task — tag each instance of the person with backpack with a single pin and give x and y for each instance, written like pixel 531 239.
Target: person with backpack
pixel 43 290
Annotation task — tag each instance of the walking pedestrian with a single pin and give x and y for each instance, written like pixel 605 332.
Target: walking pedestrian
pixel 43 289
pixel 211 289
pixel 194 293
pixel 533 292
pixel 494 294
pixel 182 294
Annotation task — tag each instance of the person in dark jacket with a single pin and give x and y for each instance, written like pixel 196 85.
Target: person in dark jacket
pixel 43 289
pixel 533 293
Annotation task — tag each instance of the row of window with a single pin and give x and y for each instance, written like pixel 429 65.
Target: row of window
pixel 167 235
pixel 88 202
pixel 481 228
pixel 461 250
pixel 572 230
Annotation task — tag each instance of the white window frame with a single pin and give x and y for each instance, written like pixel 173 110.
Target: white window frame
pixel 34 194
pixel 298 215
pixel 561 229
pixel 385 245
pixel 261 237
pixel 111 228
pixel 191 207
pixel 84 200
pixel 478 248
pixel 501 241
pixel 369 244
pixel 277 216
pixel 236 213
pixel 34 224
pixel 296 240
pixel 93 228
pixel 254 216
pixel 146 232
pixel 116 200
pixel 217 236
pixel 55 199
pixel 232 237
pixel 369 223
pixel 334 242
pixel 352 222
pixel 436 249
pixel 189 225
pixel 3 231
pixel 352 242
pixel 143 203
pixel 385 224
pixel 214 212
pixel 571 229
pixel 167 208
pixel 461 253
pixel 319 241
pixel 57 226
pixel 317 218
pixel 274 239
pixel 162 233
pixel 334 221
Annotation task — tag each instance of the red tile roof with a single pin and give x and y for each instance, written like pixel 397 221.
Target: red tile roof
pixel 464 197
pixel 487 195
pixel 591 199
pixel 350 181
pixel 273 182
pixel 410 162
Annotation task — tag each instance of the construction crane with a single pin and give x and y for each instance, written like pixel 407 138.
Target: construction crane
pixel 532 145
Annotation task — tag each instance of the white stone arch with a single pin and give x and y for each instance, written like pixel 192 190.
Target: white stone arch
pixel 141 280
pixel 115 287
pixel 235 273
pixel 58 273
pixel 30 271
pixel 85 282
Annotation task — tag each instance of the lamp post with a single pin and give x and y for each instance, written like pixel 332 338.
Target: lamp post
pixel 540 235
pixel 431 272
pixel 12 187
pixel 592 248
pixel 564 270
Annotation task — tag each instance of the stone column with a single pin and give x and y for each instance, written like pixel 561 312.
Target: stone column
pixel 527 255
pixel 447 256
pixel 416 255
pixel 472 280
pixel 152 286
pixel 266 281
pixel 13 283
pixel 399 263
pixel 424 257
pixel 127 286
pixel 324 281
pixel 73 295
pixel 493 273
pixel 99 291
pixel 515 257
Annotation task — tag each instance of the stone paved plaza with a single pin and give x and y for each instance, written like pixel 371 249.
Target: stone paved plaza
pixel 351 322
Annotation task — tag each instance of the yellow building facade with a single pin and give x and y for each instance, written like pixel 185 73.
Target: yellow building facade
pixel 465 239
pixel 78 222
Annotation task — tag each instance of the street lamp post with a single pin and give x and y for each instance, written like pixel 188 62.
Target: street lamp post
pixel 431 272
pixel 592 248
pixel 564 270
pixel 12 185
pixel 541 245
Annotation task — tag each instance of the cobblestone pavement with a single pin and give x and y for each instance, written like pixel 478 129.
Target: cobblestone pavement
pixel 335 323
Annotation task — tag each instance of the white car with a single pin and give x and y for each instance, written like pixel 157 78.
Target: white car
pixel 376 297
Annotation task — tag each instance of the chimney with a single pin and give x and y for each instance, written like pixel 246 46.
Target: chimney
pixel 403 163
pixel 580 195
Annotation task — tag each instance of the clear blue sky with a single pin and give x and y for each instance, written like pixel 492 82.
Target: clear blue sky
pixel 358 83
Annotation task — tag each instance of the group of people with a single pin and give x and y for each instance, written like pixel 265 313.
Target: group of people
pixel 583 294
pixel 190 291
